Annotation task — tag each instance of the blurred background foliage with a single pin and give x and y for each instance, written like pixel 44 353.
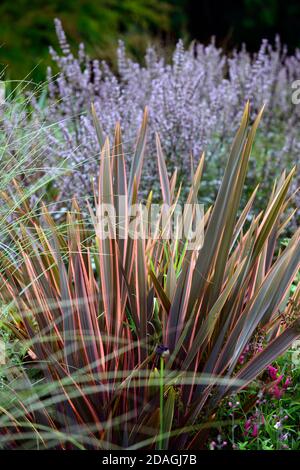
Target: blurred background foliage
pixel 97 23
pixel 26 27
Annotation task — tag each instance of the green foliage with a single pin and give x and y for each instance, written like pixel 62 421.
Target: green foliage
pixel 27 31
pixel 278 424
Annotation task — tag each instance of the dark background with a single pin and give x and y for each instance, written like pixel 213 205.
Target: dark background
pixel 26 27
pixel 234 22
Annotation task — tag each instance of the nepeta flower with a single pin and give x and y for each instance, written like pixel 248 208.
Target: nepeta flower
pixel 195 103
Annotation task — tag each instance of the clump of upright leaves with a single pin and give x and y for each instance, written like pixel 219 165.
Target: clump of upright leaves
pixel 92 311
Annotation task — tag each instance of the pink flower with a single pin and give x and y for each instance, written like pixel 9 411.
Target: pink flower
pixel 255 430
pixel 273 372
pixel 248 425
pixel 277 392
pixel 278 388
pixel 279 379
pixel 241 359
pixel 287 383
pixel 253 423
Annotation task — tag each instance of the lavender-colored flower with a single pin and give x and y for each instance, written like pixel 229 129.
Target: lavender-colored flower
pixel 195 103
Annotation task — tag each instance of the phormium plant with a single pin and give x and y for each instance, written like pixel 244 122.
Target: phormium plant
pixel 133 342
